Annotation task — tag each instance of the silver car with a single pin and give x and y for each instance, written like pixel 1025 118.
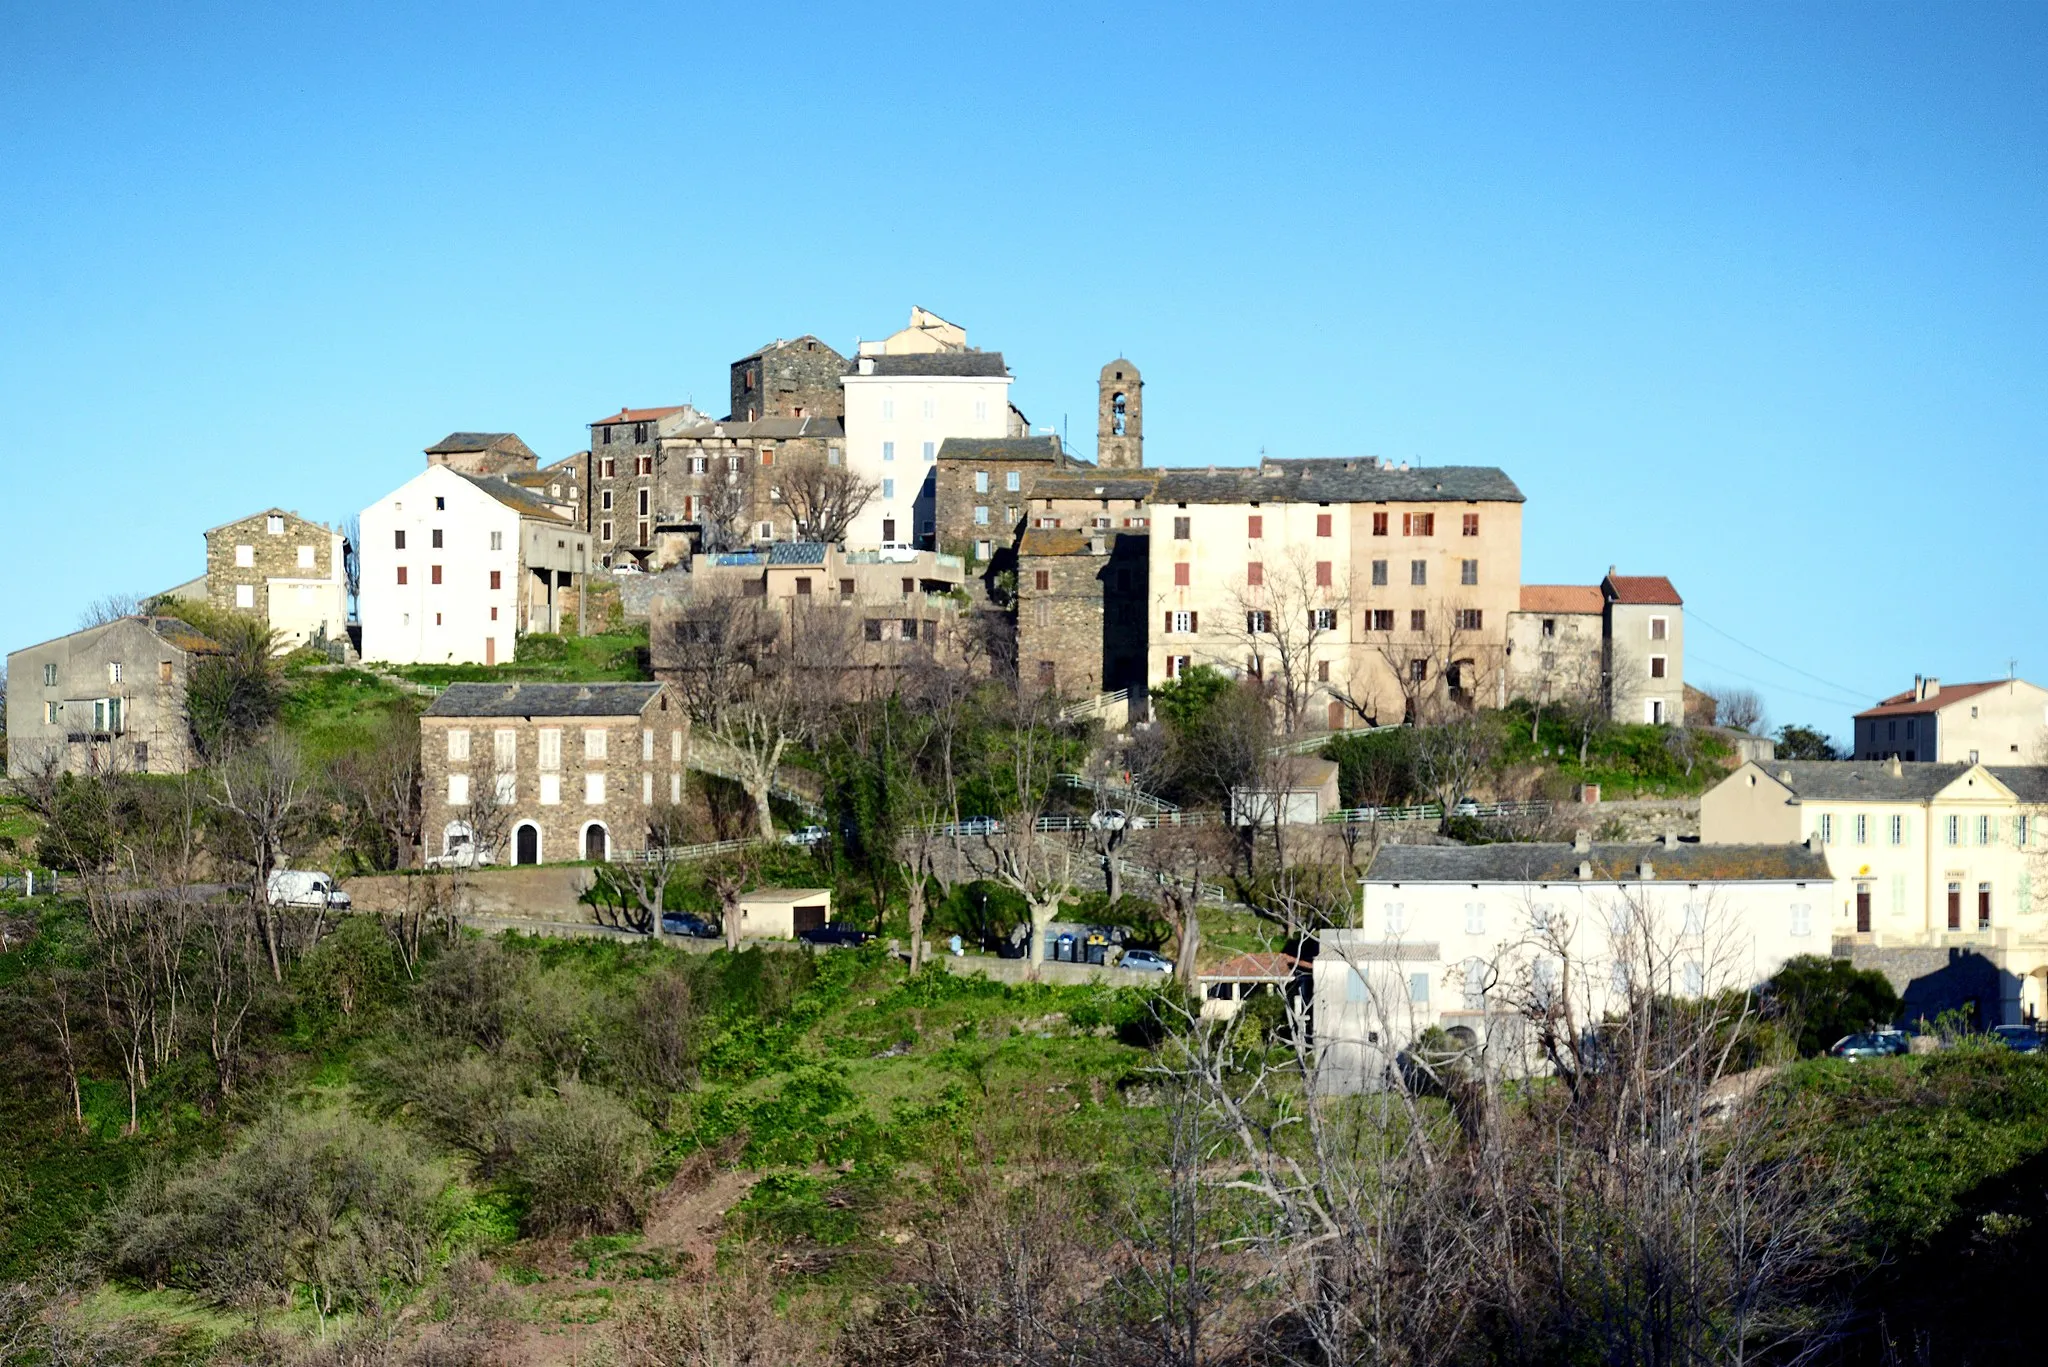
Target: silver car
pixel 1145 961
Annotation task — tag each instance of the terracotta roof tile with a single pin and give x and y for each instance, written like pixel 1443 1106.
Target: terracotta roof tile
pixel 1641 588
pixel 1905 704
pixel 1562 598
pixel 638 415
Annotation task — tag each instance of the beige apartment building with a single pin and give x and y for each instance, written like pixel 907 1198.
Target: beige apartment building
pixel 1929 861
pixel 1376 592
pixel 1621 641
pixel 2004 721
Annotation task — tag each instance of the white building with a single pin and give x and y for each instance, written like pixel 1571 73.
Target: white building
pixel 1467 938
pixel 455 567
pixel 2002 721
pixel 904 396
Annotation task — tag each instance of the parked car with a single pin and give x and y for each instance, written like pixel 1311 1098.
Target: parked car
pixel 685 923
pixel 1145 961
pixel 832 933
pixel 301 888
pixel 2021 1039
pixel 1109 819
pixel 1465 806
pixel 807 837
pixel 973 825
pixel 1869 1044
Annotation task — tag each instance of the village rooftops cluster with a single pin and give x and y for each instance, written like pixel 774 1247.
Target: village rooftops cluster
pixel 1361 480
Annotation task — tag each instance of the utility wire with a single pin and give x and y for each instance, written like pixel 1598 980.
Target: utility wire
pixel 1853 693
pixel 1694 657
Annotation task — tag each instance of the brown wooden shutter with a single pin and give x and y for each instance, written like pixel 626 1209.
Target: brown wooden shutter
pixel 1194 621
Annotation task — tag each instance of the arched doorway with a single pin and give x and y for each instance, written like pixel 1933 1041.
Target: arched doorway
pixel 526 844
pixel 594 842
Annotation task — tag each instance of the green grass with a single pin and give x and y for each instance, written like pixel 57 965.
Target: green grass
pixel 334 711
pixel 18 829
pixel 619 657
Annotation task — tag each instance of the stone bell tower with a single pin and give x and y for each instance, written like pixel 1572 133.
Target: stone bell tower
pixel 1119 418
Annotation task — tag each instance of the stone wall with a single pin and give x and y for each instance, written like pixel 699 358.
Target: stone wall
pixel 275 555
pixel 1089 622
pixel 955 499
pixel 792 379
pixel 532 894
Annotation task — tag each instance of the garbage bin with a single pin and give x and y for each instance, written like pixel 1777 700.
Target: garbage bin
pixel 1066 951
pixel 1098 948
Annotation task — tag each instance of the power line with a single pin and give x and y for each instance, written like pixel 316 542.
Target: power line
pixel 1697 658
pixel 1851 692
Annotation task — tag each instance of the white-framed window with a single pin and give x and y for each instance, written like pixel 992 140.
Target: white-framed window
pixel 1473 983
pixel 766 531
pixel 1396 917
pixel 1660 628
pixel 497 541
pixel 245 557
pixel 888 450
pixel 1013 481
pixel 1322 619
pixel 832 455
pixel 50 710
pixel 550 742
pixel 981 516
pixel 931 409
pixel 931 452
pixel 507 789
pixel 593 790
pixel 305 557
pixel 647 745
pixel 458 790
pixel 983 550
pixel 1861 826
pixel 1695 978
pixel 458 745
pixel 1955 829
pixel 888 488
pixel 274 524
pixel 1183 621
pixel 647 790
pixel 1695 918
pixel 1984 829
pixel 2022 829
pixel 675 788
pixel 981 410
pixel 1658 664
pixel 49 676
pixel 1177 665
pixel 675 746
pixel 981 481
pixel 1898 829
pixel 1418 989
pixel 245 595
pixel 1475 918
pixel 114 671
pixel 1827 828
pixel 550 790
pixel 1802 919
pixel 888 410
pixel 504 750
pixel 596 743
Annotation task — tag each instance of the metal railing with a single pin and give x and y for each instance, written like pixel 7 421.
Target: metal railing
pixel 1095 706
pixel 1430 811
pixel 680 853
pixel 29 884
pixel 1137 796
pixel 1302 745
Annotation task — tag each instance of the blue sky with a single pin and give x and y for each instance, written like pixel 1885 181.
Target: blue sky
pixel 1751 296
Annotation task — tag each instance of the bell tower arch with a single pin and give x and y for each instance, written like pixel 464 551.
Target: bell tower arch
pixel 1120 418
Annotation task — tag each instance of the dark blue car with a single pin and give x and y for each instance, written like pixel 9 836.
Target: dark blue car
pixel 684 923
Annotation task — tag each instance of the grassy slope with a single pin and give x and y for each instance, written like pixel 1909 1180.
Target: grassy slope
pixel 616 658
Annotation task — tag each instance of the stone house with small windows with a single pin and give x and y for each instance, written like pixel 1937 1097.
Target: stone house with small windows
pixel 1929 861
pixel 1621 640
pixel 483 453
pixel 982 491
pixel 2001 721
pixel 796 379
pixel 1081 610
pixel 1451 937
pixel 456 567
pixel 281 569
pixel 548 773
pixel 109 699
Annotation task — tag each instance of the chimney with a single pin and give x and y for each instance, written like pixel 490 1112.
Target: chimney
pixel 867 365
pixel 1670 841
pixel 1785 776
pixel 1585 871
pixel 1610 571
pixel 1645 870
pixel 1930 687
pixel 1582 841
pixel 1894 768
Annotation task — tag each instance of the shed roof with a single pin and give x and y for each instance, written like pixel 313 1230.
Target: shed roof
pixel 785 896
pixel 1559 863
pixel 1336 481
pixel 544 700
pixel 1584 598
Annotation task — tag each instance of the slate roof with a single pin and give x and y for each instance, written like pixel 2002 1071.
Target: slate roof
pixel 1055 541
pixel 1005 448
pixel 759 429
pixel 796 553
pixel 1562 598
pixel 1870 780
pixel 1336 481
pixel 782 343
pixel 1099 486
pixel 1559 863
pixel 267 512
pixel 186 637
pixel 981 364
pixel 456 443
pixel 2029 783
pixel 1905 704
pixel 521 501
pixel 544 700
pixel 1648 589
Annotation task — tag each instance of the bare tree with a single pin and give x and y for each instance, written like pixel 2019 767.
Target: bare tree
pixel 722 512
pixel 351 528
pixel 1440 663
pixel 1740 709
pixel 824 499
pixel 1451 757
pixel 637 887
pixel 261 794
pixel 1286 626
pixel 1038 866
pixel 110 607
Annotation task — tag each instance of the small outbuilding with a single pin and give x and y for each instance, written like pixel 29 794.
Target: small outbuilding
pixel 1226 987
pixel 1302 789
pixel 783 913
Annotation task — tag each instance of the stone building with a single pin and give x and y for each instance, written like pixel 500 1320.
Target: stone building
pixel 565 484
pixel 1082 605
pixel 1620 641
pixel 483 453
pixel 109 699
pixel 539 772
pixel 621 511
pixel 982 491
pixel 1120 417
pixel 1095 500
pixel 281 569
pixel 1386 588
pixel 795 379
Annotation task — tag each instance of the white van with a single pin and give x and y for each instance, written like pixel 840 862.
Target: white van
pixel 297 888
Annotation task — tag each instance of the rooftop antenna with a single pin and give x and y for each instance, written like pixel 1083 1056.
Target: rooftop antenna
pixel 2012 669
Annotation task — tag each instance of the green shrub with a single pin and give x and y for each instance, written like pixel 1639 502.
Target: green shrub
pixel 1823 999
pixel 579 1158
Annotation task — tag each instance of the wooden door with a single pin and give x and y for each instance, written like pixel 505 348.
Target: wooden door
pixel 526 845
pixel 1862 911
pixel 1955 906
